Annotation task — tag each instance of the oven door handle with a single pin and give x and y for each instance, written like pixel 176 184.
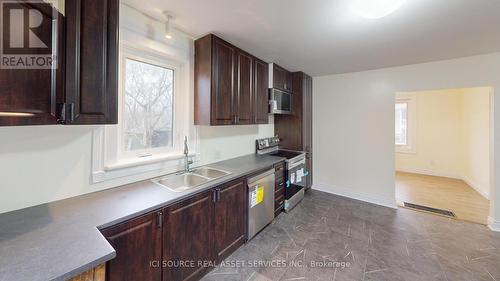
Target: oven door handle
pixel 295 164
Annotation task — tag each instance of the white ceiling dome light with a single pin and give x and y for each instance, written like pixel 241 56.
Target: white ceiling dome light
pixel 375 9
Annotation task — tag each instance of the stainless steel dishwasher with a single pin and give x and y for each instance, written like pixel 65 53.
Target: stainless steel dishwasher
pixel 260 202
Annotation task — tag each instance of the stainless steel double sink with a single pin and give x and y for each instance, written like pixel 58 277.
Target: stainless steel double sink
pixel 195 178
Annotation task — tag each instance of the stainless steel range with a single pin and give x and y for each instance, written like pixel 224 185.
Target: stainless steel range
pixel 295 172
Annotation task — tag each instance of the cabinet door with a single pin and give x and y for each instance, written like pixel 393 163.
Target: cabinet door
pixel 279 77
pixel 223 83
pixel 244 98
pixel 92 61
pixel 288 81
pixel 29 89
pixel 230 218
pixel 187 236
pixel 137 243
pixel 261 92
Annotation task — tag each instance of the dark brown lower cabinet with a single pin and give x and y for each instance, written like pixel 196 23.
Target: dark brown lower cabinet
pixel 188 236
pixel 138 245
pixel 204 230
pixel 182 241
pixel 230 218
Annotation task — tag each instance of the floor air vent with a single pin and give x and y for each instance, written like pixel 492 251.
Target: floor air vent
pixel 431 210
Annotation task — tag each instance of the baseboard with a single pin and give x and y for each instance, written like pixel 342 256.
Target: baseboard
pixel 477 188
pixel 471 183
pixel 345 192
pixel 494 225
pixel 429 173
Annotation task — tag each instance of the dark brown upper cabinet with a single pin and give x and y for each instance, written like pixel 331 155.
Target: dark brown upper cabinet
pixel 261 92
pixel 79 86
pixel 244 110
pixel 282 78
pixel 223 82
pixel 226 84
pixel 92 61
pixel 29 91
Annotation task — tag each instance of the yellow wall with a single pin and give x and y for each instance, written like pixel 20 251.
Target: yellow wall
pixel 452 136
pixel 476 117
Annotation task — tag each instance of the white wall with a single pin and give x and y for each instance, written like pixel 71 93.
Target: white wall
pixel 40 164
pixel 452 136
pixel 354 123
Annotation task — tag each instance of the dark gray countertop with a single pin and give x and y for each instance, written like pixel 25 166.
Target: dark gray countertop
pixel 59 240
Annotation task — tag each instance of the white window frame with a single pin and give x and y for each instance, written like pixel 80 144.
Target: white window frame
pixel 411 138
pixel 108 161
pixel 145 57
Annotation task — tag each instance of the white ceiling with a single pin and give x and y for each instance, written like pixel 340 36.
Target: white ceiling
pixel 323 37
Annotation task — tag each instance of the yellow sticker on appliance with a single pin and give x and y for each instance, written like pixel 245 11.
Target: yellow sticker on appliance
pixel 256 196
pixel 260 194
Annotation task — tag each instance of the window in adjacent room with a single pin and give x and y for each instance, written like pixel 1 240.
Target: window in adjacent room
pixel 405 125
pixel 401 123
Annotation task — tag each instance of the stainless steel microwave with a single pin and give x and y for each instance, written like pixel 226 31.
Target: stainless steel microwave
pixel 280 102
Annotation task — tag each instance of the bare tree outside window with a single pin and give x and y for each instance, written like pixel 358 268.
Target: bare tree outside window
pixel 148 111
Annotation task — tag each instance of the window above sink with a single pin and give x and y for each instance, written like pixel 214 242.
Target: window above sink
pixel 152 120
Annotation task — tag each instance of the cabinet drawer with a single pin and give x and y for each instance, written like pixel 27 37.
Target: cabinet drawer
pixel 279 167
pixel 279 176
pixel 279 185
pixel 278 193
pixel 279 201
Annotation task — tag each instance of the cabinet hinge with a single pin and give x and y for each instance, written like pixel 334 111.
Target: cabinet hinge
pixel 65 113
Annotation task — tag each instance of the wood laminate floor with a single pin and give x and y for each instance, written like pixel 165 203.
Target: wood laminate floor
pixel 442 193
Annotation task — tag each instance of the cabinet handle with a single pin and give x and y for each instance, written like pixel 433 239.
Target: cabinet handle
pixel 218 194
pixel 214 196
pixel 160 219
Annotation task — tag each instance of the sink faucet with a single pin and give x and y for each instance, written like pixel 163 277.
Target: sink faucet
pixel 187 161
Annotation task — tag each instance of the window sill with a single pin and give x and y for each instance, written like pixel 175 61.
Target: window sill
pixel 135 162
pixel 406 151
pixel 132 170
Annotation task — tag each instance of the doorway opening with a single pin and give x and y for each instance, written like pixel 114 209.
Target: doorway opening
pixel 443 152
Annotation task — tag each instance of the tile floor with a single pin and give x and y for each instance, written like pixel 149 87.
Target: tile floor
pixel 361 241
